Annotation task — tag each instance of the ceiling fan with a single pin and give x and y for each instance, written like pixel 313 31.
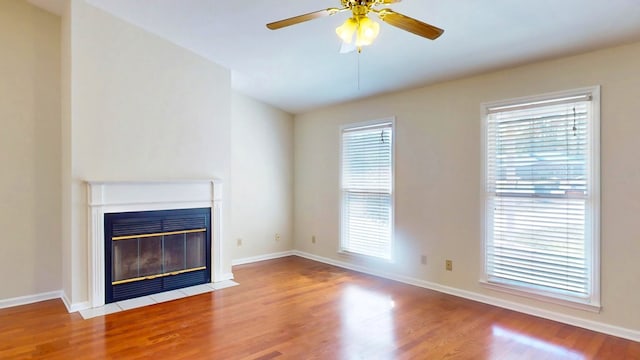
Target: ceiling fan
pixel 359 30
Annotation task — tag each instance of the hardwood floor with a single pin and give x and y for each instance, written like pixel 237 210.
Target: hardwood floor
pixel 293 308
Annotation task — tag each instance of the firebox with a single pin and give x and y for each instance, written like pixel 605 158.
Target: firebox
pixel 154 251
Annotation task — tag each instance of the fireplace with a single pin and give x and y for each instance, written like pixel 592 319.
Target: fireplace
pixel 152 197
pixel 149 252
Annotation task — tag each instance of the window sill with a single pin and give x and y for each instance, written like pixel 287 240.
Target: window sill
pixel 364 257
pixel 543 296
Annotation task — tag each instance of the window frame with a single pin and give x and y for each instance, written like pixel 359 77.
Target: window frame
pixel 592 205
pixel 342 249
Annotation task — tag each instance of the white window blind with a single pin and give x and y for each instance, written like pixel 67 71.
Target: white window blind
pixel 540 204
pixel 367 182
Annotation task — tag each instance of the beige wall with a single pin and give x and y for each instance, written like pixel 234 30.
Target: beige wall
pixel 262 178
pixel 438 175
pixel 65 150
pixel 29 150
pixel 141 108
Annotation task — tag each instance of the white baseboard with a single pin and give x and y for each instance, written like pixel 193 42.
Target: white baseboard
pixel 253 259
pixel 74 307
pixel 625 333
pixel 29 299
pixel 224 277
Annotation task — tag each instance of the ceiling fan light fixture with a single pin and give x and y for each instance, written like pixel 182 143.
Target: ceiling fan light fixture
pixel 362 28
pixel 368 31
pixel 347 30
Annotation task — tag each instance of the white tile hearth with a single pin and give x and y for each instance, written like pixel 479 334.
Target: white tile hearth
pixel 100 311
pixel 198 289
pixel 155 299
pixel 136 302
pixel 224 284
pixel 168 296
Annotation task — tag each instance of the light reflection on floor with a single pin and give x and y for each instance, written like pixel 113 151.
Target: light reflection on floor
pixel 368 329
pixel 530 345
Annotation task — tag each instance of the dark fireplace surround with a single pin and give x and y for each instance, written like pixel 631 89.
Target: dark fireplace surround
pixel 148 252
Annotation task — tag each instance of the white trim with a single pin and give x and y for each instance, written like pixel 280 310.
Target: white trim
pixel 630 334
pixel 556 100
pixel 71 308
pixel 225 277
pixel 66 302
pixel 253 259
pixel 123 196
pixel 30 299
pixel 594 179
pixel 542 296
pixel 542 97
pixel 355 255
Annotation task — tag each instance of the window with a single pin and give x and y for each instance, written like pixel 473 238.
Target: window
pixel 542 197
pixel 367 189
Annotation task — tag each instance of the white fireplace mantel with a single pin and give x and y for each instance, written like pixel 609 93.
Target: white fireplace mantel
pixel 119 196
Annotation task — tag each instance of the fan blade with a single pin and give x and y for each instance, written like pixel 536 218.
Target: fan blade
pixel 409 24
pixel 302 18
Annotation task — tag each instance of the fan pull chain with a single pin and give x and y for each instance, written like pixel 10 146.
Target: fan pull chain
pixel 574 121
pixel 358 69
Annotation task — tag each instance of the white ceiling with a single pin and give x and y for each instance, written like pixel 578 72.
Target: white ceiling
pixel 299 68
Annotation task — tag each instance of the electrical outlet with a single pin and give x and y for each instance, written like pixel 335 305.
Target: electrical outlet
pixel 239 242
pixel 313 239
pixel 449 265
pixel 277 237
pixel 423 259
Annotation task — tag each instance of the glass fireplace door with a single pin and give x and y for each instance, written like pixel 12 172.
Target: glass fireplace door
pixel 148 256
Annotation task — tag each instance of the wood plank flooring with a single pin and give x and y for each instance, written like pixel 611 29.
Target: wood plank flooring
pixel 293 308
